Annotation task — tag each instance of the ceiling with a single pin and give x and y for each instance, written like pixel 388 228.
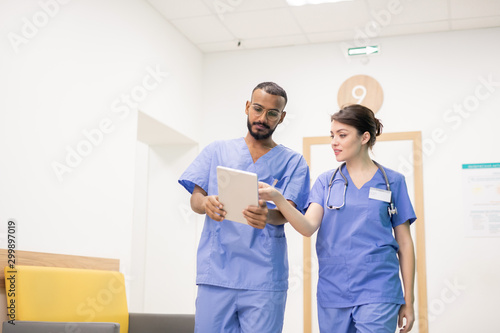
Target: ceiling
pixel 226 25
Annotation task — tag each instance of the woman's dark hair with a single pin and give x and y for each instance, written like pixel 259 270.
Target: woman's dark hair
pixel 361 118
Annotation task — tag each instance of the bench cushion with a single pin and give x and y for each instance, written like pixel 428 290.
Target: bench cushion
pixel 51 327
pixel 66 295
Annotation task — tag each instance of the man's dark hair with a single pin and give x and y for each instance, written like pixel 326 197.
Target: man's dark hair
pixel 272 88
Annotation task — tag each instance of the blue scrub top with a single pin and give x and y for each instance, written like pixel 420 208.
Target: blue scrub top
pixel 235 255
pixel 355 245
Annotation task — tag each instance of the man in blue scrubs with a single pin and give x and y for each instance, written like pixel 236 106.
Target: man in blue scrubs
pixel 242 270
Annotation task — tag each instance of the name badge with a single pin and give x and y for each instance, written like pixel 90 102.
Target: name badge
pixel 378 194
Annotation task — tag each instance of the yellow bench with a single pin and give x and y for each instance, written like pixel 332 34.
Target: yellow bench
pixel 66 295
pixel 47 299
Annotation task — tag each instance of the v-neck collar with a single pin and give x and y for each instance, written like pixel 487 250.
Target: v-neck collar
pixel 349 179
pixel 263 157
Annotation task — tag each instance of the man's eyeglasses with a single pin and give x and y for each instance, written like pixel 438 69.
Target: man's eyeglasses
pixel 271 114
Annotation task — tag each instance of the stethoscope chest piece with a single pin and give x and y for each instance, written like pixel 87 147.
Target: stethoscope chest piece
pixel 392 210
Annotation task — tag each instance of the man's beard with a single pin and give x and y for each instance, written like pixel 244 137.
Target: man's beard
pixel 258 136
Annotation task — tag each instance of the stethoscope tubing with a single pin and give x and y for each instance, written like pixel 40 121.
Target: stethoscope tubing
pixel 391 209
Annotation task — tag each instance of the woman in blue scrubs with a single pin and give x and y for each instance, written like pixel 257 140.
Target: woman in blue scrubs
pixel 362 240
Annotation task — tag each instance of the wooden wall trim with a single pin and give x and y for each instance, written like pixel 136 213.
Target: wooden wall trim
pixel 28 258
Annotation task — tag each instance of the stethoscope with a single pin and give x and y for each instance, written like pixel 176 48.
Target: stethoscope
pixel 391 209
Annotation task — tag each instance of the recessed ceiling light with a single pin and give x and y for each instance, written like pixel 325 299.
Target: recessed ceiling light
pixel 311 2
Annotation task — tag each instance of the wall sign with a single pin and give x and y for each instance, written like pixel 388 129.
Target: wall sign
pixel 361 89
pixel 481 199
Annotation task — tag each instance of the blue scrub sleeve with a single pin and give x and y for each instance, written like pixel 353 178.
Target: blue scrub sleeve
pixel 317 193
pixel 402 202
pixel 198 172
pixel 297 189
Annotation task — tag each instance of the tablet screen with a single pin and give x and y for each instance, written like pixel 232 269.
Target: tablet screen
pixel 237 190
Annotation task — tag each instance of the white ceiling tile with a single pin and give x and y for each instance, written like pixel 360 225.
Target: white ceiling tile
pixel 217 25
pixel 173 9
pixel 331 17
pixel 389 12
pixel 275 41
pixel 222 7
pixel 229 6
pixel 219 46
pixel 476 23
pixel 268 23
pixel 262 4
pixel 335 36
pixel 468 8
pixel 203 29
pixel 420 28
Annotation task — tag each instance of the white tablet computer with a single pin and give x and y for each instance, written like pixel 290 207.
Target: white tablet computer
pixel 237 190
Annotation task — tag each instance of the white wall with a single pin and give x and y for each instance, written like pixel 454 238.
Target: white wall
pixel 173 232
pixel 423 77
pixel 75 67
